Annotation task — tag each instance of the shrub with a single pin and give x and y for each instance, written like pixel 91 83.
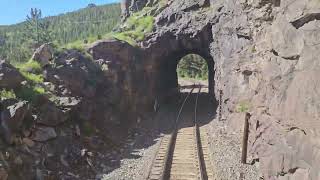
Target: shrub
pixel 124 37
pixel 30 66
pixel 78 45
pixel 30 93
pixel 33 78
pixel 136 27
pixel 27 94
pixel 7 94
pixel 243 107
pixel 39 90
pixel 32 71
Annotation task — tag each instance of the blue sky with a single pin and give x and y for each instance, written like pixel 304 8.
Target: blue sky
pixel 14 11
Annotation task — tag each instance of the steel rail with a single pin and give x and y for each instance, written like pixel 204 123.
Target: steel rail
pixel 163 175
pixel 198 141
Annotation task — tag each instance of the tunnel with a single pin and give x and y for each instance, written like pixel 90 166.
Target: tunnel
pixel 146 74
pixel 167 77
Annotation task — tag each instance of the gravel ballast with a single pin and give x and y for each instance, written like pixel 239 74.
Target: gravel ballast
pixel 225 148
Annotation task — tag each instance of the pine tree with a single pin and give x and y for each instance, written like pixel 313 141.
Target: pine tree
pixel 87 23
pixel 36 30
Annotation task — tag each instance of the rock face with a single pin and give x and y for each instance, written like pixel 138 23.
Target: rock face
pixel 77 73
pixel 77 107
pixel 281 88
pixel 51 115
pixel 43 134
pixel 13 115
pixel 131 6
pixel 43 54
pixel 10 78
pixel 263 55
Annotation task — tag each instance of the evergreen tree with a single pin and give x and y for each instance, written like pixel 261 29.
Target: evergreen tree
pixel 36 30
pixel 19 40
pixel 193 66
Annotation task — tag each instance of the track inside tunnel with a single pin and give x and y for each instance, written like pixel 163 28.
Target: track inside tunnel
pixel 183 152
pixel 186 66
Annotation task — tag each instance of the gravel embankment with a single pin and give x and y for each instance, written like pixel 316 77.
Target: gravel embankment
pixel 225 151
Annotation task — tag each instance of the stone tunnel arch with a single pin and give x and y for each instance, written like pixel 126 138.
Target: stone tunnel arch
pixel 144 75
pixel 164 53
pixel 167 77
pixel 192 69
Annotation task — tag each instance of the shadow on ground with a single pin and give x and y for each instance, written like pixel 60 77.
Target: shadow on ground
pixel 147 134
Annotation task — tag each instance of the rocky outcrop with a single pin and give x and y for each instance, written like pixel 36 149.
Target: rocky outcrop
pixel 148 73
pixel 43 134
pixel 78 74
pixel 43 54
pixel 51 115
pixel 13 114
pixel 10 77
pixel 76 107
pixel 264 58
pixel 130 6
pixel 279 90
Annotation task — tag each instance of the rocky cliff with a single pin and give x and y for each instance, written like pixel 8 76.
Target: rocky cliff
pixel 264 60
pixel 262 56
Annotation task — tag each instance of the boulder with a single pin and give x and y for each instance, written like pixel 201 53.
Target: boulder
pixel 67 102
pixel 77 73
pixel 43 134
pixel 51 115
pixel 12 116
pixel 43 54
pixel 10 77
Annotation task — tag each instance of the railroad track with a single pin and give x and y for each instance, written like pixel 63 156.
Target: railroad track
pixel 183 154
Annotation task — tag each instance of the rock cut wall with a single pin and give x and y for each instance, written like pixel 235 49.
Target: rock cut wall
pixel 266 62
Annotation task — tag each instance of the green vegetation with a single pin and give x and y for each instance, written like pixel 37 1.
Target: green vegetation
pixel 5 94
pixel 36 32
pixel 78 45
pixel 193 66
pixel 162 3
pixel 243 107
pixel 30 66
pixel 136 27
pixel 33 78
pixel 39 90
pixel 32 71
pixel 30 93
pixel 70 30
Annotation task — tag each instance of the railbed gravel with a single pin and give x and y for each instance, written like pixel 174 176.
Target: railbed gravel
pixel 225 149
pixel 137 161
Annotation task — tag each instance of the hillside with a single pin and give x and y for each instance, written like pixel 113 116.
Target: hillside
pixel 91 21
pixel 71 29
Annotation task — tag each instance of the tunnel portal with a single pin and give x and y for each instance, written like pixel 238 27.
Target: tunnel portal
pixel 167 78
